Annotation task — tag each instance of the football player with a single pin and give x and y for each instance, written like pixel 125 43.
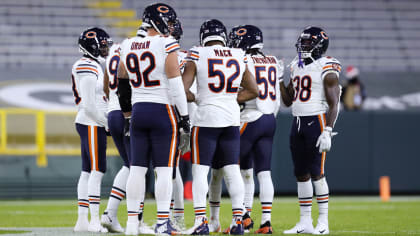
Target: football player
pixel 91 124
pixel 116 128
pixel 116 122
pixel 149 77
pixel 177 202
pixel 258 125
pixel 219 71
pixel 313 92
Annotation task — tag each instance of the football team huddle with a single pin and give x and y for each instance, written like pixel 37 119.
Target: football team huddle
pixel 219 102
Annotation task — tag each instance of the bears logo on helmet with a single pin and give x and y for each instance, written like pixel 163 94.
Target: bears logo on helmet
pixel 160 16
pixel 95 42
pixel 312 43
pixel 246 37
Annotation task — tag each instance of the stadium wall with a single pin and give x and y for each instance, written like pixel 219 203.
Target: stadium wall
pixel 368 145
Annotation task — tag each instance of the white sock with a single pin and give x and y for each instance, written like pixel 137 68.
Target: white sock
pixel 236 189
pixel 322 195
pixel 200 188
pixel 215 193
pixel 178 194
pixel 82 195
pixel 163 192
pixel 266 195
pixel 117 191
pixel 136 186
pixel 94 192
pixel 248 178
pixel 305 193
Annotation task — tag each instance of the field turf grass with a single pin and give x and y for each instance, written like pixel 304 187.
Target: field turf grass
pixel 348 215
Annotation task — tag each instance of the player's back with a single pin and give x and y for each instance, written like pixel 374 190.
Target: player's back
pixel 111 69
pixel 266 70
pixel 219 75
pixel 144 59
pixel 82 68
pixel 308 85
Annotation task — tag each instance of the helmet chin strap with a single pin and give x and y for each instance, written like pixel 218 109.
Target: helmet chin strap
pixel 155 27
pixel 82 49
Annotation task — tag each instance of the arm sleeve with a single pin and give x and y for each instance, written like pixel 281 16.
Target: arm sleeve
pixel 88 94
pixel 176 88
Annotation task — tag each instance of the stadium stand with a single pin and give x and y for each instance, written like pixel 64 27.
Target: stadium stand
pixel 375 35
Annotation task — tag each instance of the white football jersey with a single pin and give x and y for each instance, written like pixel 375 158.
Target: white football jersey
pixel 111 64
pixel 219 75
pixel 144 59
pixel 266 70
pixel 308 85
pixel 83 68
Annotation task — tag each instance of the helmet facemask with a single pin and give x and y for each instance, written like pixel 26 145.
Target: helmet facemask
pixel 308 48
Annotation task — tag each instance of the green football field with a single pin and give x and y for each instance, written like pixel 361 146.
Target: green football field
pixel 348 215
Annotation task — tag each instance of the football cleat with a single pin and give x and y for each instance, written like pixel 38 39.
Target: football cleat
pixel 214 226
pixel 201 227
pixel 165 229
pixel 132 228
pixel 96 227
pixel 321 229
pixel 235 228
pixel 265 228
pixel 178 223
pixel 145 229
pixel 247 222
pixel 111 223
pixel 301 228
pixel 81 225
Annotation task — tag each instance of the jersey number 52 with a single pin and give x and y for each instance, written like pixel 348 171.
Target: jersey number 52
pixel 224 83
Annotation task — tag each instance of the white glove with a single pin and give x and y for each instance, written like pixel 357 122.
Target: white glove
pixel 324 140
pixel 184 142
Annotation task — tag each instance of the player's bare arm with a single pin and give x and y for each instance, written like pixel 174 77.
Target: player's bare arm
pixel 287 93
pixel 124 89
pixel 332 94
pixel 250 88
pixel 106 82
pixel 188 78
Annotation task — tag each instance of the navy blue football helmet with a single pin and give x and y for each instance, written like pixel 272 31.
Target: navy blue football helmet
pixel 177 31
pixel 212 30
pixel 312 43
pixel 95 42
pixel 246 37
pixel 160 16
